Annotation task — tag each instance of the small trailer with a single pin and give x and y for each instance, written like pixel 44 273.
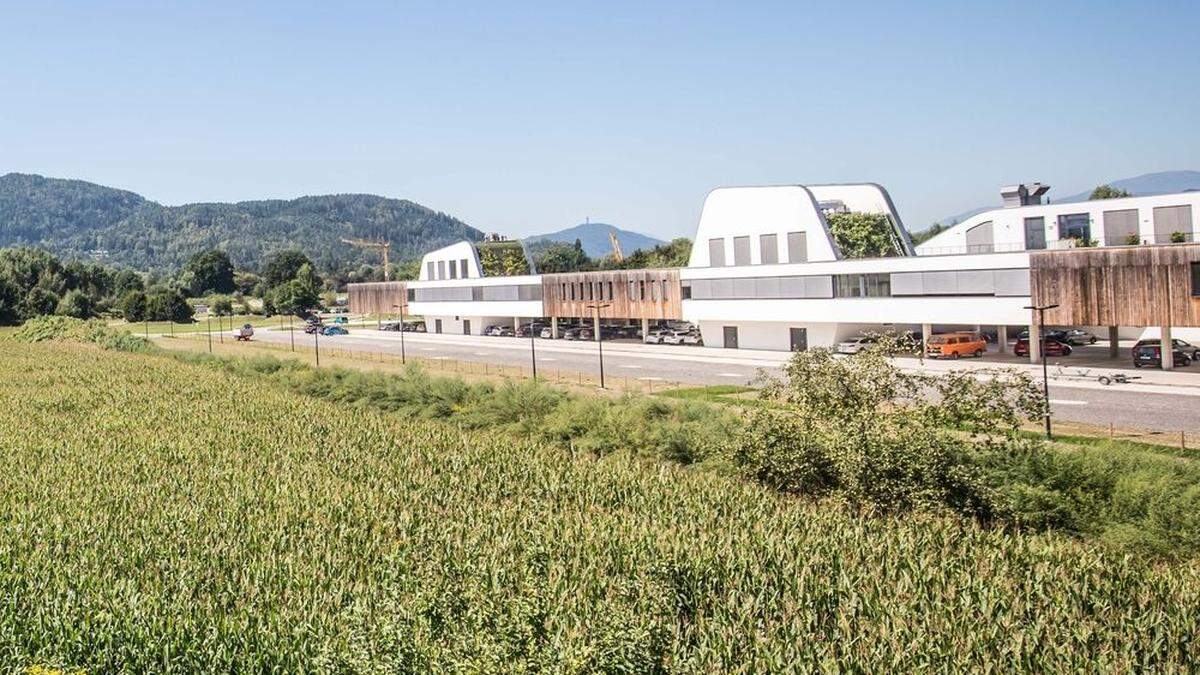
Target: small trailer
pixel 244 333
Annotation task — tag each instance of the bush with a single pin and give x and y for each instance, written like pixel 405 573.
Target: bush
pixel 132 306
pixel 168 305
pixel 221 305
pixel 40 302
pixel 70 329
pixel 862 235
pixel 76 304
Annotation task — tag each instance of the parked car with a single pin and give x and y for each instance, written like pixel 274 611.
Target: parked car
pixel 1151 355
pixel 525 330
pixel 855 345
pixel 413 327
pixel 681 337
pixel 334 330
pixel 1187 348
pixel 393 326
pixel 1054 334
pixel 656 336
pixel 340 319
pixel 955 345
pixel 1076 336
pixel 546 333
pixel 505 331
pixel 313 326
pixel 1049 348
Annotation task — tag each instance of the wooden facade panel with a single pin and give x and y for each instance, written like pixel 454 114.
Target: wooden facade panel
pixel 377 298
pixel 629 294
pixel 1117 286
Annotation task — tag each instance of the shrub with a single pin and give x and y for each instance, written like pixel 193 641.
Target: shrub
pixel 862 235
pixel 1178 237
pixel 40 302
pixel 167 305
pixel 75 304
pixel 132 306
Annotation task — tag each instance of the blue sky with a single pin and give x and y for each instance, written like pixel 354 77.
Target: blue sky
pixel 524 118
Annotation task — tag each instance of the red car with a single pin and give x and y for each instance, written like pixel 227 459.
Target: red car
pixel 1049 348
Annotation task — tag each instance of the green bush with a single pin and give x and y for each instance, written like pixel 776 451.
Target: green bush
pixel 132 306
pixel 862 235
pixel 75 304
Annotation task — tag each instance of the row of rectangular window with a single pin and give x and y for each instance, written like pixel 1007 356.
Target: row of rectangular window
pixel 476 293
pixel 640 290
pixel 1006 283
pixel 1120 227
pixel 457 269
pixel 768 249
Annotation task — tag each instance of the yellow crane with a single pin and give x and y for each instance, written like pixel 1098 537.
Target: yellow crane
pixel 616 246
pixel 381 246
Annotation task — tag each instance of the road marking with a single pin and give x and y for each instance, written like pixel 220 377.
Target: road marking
pixel 659 379
pixel 546 359
pixel 1061 401
pixel 440 358
pixel 483 354
pixel 627 365
pixel 428 349
pixel 737 375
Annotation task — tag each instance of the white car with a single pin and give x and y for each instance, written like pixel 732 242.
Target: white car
pixel 546 333
pixel 657 337
pixel 854 345
pixel 681 337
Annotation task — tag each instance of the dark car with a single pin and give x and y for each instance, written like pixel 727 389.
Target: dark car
pixel 312 327
pixel 391 326
pixel 1049 347
pixel 1192 352
pixel 1151 355
pixel 334 330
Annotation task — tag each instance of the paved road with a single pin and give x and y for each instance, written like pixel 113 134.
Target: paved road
pixel 1132 406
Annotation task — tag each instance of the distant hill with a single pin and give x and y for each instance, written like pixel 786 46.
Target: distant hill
pixel 594 238
pixel 1161 183
pixel 79 220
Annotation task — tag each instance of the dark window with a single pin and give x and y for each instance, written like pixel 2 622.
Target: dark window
pixel 572 291
pixel 641 290
pixel 453 270
pixel 686 288
pixel 411 294
pixel 664 289
pixel 1075 226
pixel 477 293
pixel 1196 279
pixel 862 286
pixel 462 268
pixel 610 295
pixel 441 269
pixel 1035 233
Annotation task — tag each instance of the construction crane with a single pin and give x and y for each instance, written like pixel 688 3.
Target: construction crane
pixel 616 246
pixel 381 246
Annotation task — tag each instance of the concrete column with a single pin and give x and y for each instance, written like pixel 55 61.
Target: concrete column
pixel 1035 343
pixel 645 328
pixel 1002 339
pixel 596 326
pixel 926 333
pixel 1113 348
pixel 554 327
pixel 1168 349
pixel 516 323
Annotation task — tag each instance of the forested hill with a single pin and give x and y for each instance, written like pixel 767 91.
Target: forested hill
pixel 79 220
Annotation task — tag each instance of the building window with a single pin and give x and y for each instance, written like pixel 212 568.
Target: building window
pixel 768 249
pixel 610 290
pixel 441 269
pixel 716 253
pixel 642 290
pixel 462 268
pixel 572 292
pixel 797 243
pixel 1172 223
pixel 980 238
pixel 686 289
pixel 862 286
pixel 429 270
pixel 1196 279
pixel 411 294
pixel 1075 226
pixel 741 251
pixel 1121 228
pixel 665 286
pixel 1035 233
pixel 453 270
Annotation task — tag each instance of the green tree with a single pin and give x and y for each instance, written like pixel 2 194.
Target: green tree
pixel 1108 192
pixel 928 233
pixel 295 297
pixel 132 305
pixel 40 302
pixel 862 235
pixel 166 304
pixel 75 303
pixel 209 272
pixel 245 283
pixel 9 312
pixel 283 267
pixel 554 257
pixel 221 305
pixel 127 280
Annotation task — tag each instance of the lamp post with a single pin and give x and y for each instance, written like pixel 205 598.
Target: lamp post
pixel 599 336
pixel 1041 347
pixel 317 339
pixel 533 351
pixel 401 307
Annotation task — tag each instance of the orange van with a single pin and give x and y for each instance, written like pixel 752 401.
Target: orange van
pixel 955 345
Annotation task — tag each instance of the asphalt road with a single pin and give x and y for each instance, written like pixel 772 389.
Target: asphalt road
pixel 1130 406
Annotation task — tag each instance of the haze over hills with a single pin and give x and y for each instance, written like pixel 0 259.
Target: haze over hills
pixel 79 220
pixel 594 238
pixel 1160 183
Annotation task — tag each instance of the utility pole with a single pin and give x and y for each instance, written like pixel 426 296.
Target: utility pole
pixel 1041 347
pixel 533 351
pixel 291 332
pixel 208 329
pixel 599 336
pixel 401 307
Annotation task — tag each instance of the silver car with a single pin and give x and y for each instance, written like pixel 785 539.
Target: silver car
pixel 855 345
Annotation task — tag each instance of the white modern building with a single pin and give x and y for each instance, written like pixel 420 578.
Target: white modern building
pixel 766 271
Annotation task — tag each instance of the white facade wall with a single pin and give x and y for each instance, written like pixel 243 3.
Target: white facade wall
pixel 444 257
pixel 754 211
pixel 1008 225
pixel 485 312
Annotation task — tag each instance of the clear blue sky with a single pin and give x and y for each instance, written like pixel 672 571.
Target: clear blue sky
pixel 523 118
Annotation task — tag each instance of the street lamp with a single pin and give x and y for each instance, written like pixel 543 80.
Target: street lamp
pixel 317 336
pixel 1041 347
pixel 401 307
pixel 599 337
pixel 533 351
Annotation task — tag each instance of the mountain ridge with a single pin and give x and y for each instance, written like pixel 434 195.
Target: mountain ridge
pixel 594 238
pixel 77 219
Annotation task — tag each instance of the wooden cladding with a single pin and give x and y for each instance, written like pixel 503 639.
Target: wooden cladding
pixel 629 294
pixel 378 297
pixel 1117 286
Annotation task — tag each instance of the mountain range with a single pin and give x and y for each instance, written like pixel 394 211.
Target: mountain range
pixel 594 238
pixel 79 220
pixel 1160 183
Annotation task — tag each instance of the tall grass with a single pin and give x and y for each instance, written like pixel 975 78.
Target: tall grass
pixel 159 516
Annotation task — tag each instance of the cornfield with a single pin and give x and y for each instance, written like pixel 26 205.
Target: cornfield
pixel 163 517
